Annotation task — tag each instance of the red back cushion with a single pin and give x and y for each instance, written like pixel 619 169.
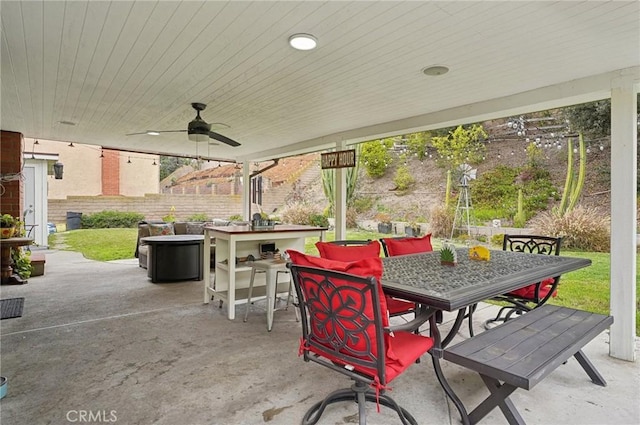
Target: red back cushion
pixel 332 251
pixel 365 268
pixel 408 245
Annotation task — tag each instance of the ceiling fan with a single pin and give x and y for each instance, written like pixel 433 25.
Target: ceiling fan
pixel 198 130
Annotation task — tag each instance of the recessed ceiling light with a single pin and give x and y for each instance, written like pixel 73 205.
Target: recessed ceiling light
pixel 153 133
pixel 303 41
pixel 435 70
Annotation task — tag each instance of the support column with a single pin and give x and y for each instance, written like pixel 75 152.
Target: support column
pixel 624 169
pixel 341 198
pixel 246 191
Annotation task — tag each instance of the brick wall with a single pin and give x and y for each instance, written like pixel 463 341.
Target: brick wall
pixel 152 206
pixel 110 172
pixel 10 164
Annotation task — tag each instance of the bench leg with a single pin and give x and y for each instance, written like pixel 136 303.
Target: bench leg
pixel 499 397
pixel 590 369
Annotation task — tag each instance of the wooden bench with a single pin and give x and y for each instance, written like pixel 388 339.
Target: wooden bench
pixel 523 351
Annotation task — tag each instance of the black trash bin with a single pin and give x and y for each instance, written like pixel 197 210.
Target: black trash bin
pixel 74 220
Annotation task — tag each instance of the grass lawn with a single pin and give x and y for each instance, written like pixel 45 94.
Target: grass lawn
pixel 585 289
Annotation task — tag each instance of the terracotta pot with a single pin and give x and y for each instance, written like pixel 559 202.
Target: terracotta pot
pixel 7 232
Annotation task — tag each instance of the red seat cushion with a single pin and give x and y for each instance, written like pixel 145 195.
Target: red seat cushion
pixel 397 307
pixel 348 253
pixel 406 246
pixel 529 292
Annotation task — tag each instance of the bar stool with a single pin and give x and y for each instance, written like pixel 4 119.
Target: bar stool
pixel 272 268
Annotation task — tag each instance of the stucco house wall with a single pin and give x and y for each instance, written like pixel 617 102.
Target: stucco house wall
pixel 84 170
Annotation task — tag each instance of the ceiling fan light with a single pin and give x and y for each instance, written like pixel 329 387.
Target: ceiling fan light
pixel 303 41
pixel 197 137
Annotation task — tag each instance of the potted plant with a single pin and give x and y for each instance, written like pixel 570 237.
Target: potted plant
pixel 412 229
pixel 384 223
pixel 7 225
pixel 448 255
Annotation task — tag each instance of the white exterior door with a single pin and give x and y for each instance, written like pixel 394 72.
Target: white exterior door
pixel 35 200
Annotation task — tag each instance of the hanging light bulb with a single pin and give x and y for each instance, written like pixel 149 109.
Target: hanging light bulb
pixel 601 147
pixel 154 162
pixel 101 154
pixel 36 142
pixel 129 160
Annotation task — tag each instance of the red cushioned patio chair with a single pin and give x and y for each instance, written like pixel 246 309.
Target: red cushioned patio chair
pixel 534 295
pixel 345 328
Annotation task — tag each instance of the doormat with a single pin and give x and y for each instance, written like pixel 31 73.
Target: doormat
pixel 11 307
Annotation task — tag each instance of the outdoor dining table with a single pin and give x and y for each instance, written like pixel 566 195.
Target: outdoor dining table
pixel 436 287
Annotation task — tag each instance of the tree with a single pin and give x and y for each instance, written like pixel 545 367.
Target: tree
pixel 169 164
pixel 462 145
pixel 592 119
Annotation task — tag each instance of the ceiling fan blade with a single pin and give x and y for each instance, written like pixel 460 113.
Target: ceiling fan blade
pixel 223 139
pixel 148 132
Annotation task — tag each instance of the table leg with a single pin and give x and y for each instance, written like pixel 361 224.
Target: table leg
pixel 206 265
pixel 456 327
pixel 271 296
pixel 231 306
pixel 436 354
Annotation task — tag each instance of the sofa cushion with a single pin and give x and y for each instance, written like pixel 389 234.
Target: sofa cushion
pixel 180 227
pixel 195 229
pixel 161 229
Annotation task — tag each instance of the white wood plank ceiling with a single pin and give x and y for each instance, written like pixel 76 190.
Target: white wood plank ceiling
pixel 120 67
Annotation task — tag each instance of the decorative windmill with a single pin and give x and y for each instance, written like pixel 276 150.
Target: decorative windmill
pixel 463 215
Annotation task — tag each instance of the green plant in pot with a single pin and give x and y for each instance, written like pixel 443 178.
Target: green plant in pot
pixel 448 255
pixel 384 223
pixel 8 225
pixel 412 229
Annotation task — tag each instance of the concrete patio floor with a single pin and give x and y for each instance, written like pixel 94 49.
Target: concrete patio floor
pixel 100 338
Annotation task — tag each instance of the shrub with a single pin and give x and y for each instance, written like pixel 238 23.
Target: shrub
pixel 362 203
pixel 110 219
pixel 352 218
pixel 375 157
pixel 318 220
pixel 581 228
pixel 403 178
pixel 300 213
pixel 497 190
pixel 198 217
pixel 441 221
pixel 497 239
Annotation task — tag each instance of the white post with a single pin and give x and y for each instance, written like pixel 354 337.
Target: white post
pixel 341 198
pixel 246 190
pixel 623 219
